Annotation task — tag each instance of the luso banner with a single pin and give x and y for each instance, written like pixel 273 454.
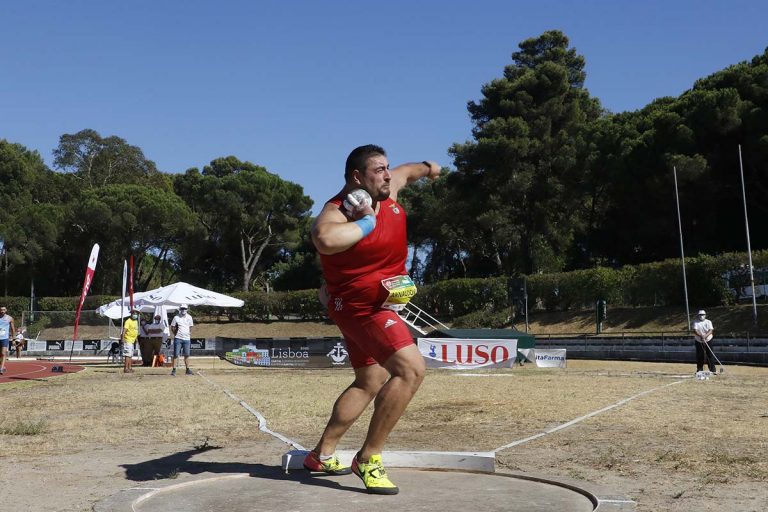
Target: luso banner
pixel 468 354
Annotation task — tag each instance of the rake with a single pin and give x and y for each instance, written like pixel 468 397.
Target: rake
pixel 722 368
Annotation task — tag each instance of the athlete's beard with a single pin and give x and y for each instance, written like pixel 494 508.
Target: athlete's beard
pixel 383 194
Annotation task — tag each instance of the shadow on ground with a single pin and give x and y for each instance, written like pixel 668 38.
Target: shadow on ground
pixel 171 466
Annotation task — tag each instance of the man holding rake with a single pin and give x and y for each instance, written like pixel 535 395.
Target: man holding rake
pixel 703 332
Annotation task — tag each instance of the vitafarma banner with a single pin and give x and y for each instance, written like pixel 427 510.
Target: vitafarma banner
pixel 467 354
pixel 551 358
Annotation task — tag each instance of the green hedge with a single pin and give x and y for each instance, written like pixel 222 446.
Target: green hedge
pixel 483 320
pixel 15 305
pixel 457 297
pixel 262 306
pixel 483 301
pixel 649 284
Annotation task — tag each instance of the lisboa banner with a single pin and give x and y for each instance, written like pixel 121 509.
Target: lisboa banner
pixel 468 354
pixel 287 353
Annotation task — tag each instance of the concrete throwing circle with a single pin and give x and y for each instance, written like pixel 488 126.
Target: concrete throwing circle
pixel 419 490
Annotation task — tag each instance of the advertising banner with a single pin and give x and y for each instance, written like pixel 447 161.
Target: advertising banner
pixel 468 354
pixel 130 281
pixel 527 353
pixel 551 358
pixel 197 344
pixel 73 345
pixel 89 270
pixel 54 345
pixel 45 345
pixel 37 346
pixel 91 344
pixel 289 353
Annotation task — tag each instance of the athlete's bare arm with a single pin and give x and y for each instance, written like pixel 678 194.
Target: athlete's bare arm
pixel 334 232
pixel 404 174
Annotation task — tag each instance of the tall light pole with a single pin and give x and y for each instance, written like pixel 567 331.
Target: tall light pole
pixel 749 246
pixel 682 253
pixel 5 257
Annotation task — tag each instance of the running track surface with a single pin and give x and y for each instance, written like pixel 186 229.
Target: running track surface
pixel 17 371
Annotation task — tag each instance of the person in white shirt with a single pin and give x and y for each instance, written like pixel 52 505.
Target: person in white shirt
pixel 7 332
pixel 181 327
pixel 18 341
pixel 703 332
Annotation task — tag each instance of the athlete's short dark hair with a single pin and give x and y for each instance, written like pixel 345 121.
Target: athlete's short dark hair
pixel 359 156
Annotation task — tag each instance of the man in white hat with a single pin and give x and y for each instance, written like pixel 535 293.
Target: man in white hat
pixel 703 332
pixel 181 327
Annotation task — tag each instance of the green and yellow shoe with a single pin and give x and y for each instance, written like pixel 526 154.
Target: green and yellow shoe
pixel 374 476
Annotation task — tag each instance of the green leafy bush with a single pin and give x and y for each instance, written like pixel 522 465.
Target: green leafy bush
pixel 457 297
pixel 482 302
pixel 482 320
pixel 15 305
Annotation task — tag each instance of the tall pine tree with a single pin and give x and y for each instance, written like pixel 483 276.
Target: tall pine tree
pixel 520 177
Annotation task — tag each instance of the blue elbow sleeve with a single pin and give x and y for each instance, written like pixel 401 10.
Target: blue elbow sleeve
pixel 366 224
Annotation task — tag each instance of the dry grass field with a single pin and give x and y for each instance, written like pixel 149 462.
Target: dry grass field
pixel 687 445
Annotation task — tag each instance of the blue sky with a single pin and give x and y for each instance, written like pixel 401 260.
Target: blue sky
pixel 294 86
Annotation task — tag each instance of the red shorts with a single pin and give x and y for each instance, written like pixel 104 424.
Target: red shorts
pixel 372 338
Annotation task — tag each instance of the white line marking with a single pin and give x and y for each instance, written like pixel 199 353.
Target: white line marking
pixel 259 416
pixel 41 368
pixel 484 375
pixel 582 418
pixel 174 487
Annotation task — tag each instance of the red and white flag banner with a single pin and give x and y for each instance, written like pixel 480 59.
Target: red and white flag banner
pixel 130 280
pixel 122 297
pixel 89 271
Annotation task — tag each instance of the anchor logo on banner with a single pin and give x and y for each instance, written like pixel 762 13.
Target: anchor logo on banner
pixel 338 354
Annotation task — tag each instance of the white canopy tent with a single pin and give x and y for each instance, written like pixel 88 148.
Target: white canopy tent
pixel 168 299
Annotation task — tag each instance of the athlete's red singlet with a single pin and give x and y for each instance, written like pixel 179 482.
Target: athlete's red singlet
pixel 353 277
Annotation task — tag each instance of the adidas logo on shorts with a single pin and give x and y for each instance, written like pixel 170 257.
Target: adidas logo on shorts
pixel 389 323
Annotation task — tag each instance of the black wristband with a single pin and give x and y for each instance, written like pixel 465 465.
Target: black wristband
pixel 429 166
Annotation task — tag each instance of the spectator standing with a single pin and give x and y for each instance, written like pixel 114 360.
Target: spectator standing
pixel 18 342
pixel 181 327
pixel 144 348
pixel 157 332
pixel 128 339
pixel 703 332
pixel 7 331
